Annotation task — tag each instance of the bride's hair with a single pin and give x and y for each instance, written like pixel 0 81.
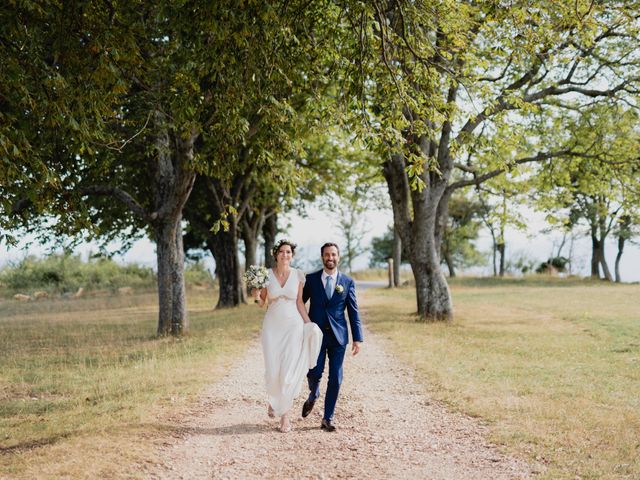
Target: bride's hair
pixel 280 243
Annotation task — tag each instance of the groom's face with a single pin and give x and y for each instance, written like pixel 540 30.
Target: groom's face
pixel 330 258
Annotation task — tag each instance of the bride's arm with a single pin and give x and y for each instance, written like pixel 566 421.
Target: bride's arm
pixel 262 296
pixel 300 305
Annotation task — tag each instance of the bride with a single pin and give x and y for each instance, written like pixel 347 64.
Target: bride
pixel 290 341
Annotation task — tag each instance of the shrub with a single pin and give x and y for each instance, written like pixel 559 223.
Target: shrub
pixel 558 263
pixel 197 274
pixel 60 273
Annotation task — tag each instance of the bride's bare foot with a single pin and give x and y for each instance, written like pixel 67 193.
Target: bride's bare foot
pixel 285 424
pixel 270 412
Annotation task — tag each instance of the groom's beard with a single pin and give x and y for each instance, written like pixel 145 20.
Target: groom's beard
pixel 330 264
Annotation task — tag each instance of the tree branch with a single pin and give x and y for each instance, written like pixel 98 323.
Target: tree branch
pixel 121 196
pixel 478 179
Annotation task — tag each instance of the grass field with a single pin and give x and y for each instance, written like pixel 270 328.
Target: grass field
pixel 552 366
pixel 84 381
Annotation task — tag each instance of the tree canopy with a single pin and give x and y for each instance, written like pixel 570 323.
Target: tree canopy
pixel 113 113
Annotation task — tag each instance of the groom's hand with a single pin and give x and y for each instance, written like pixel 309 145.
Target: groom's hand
pixel 355 348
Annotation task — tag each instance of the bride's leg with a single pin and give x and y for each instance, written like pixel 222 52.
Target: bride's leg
pixel 285 424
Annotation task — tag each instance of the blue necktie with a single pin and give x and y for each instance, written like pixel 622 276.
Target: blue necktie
pixel 327 288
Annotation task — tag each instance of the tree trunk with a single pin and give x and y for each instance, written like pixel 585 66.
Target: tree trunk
pixel 494 254
pixel 501 248
pixel 571 242
pixel 562 244
pixel 250 246
pixel 224 248
pixel 250 240
pixel 420 213
pixel 621 241
pixel 449 261
pixel 349 252
pixel 269 232
pixel 432 291
pixel 624 232
pixel 595 256
pixel 441 231
pixel 252 222
pixel 173 317
pixel 603 263
pixel 172 185
pixel 419 237
pixel 209 204
pixel 397 257
pixel 602 225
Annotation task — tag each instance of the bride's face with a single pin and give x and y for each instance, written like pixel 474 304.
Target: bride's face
pixel 284 255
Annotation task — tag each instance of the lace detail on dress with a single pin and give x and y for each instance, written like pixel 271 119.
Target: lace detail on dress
pixel 287 292
pixel 273 300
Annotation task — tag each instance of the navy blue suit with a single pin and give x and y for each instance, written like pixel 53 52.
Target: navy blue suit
pixel 329 315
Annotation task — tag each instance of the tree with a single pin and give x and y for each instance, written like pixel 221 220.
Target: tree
pixel 625 231
pixel 58 86
pixel 382 249
pixel 598 187
pixel 433 83
pixel 299 168
pixel 353 230
pixel 178 76
pixel 461 229
pixel 354 194
pixel 385 247
pixel 497 198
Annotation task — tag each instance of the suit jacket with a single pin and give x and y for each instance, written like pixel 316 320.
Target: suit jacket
pixel 331 312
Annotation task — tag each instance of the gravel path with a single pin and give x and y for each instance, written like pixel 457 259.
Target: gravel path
pixel 387 428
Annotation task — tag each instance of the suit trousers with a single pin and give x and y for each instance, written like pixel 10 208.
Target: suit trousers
pixel 335 352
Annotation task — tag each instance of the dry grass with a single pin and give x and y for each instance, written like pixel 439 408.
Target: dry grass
pixel 85 384
pixel 553 367
pixel 86 389
pixel 380 274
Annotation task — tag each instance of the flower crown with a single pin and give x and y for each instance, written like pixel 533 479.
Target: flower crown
pixel 281 242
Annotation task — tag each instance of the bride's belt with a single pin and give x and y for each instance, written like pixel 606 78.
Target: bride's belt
pixel 273 300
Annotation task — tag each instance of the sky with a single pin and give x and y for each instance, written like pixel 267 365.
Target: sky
pixel 312 232
pixel 322 226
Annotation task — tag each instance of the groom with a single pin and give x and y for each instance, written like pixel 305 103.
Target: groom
pixel 331 292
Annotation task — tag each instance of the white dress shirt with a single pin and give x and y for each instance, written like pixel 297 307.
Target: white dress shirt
pixel 334 279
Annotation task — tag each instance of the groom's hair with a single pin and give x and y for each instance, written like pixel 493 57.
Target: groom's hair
pixel 329 244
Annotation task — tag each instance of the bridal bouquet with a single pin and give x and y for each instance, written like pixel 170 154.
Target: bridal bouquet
pixel 256 277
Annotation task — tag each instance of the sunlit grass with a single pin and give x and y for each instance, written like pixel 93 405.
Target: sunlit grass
pixel 80 372
pixel 554 367
pixel 380 274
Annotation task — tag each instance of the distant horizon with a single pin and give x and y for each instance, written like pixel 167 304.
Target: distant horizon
pixel 319 226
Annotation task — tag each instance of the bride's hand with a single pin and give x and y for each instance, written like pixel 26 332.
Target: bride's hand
pixel 255 293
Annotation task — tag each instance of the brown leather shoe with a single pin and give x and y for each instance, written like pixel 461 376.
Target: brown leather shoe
pixel 307 407
pixel 327 425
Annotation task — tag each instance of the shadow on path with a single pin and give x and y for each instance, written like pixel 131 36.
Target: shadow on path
pixel 239 429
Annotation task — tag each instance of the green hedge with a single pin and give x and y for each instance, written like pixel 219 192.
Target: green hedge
pixel 60 273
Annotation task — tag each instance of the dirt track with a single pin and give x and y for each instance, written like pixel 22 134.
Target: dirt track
pixel 387 428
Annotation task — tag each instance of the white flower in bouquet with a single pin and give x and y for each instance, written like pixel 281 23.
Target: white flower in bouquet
pixel 256 277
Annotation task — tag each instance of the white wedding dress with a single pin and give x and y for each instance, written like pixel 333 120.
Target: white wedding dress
pixel 290 346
